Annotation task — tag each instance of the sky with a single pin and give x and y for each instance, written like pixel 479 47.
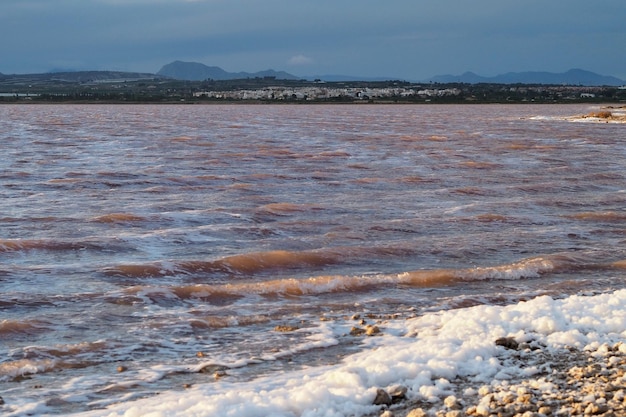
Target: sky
pixel 400 39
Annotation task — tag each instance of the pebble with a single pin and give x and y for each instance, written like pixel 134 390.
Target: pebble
pixel 356 331
pixel 372 330
pixel 285 328
pixel 416 412
pixel 398 393
pixel 575 383
pixel 452 403
pixel 382 397
pixel 507 342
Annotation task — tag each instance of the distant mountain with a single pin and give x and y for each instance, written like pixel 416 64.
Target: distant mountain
pixel 571 77
pixel 195 71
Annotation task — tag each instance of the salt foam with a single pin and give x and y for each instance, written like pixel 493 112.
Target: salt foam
pixel 424 354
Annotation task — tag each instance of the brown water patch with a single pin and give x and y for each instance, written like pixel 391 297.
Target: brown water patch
pixel 287 208
pixel 517 146
pixel 602 216
pixel 368 180
pixel 619 264
pixel 438 138
pixel 414 179
pixel 249 263
pixel 22 327
pixel 430 278
pixel 182 139
pixel 119 218
pixel 490 217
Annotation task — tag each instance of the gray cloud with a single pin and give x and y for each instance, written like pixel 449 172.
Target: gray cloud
pixel 401 38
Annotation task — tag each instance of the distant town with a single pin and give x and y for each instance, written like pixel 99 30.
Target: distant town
pixel 118 87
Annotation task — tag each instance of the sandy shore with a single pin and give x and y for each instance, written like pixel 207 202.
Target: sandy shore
pixel 569 382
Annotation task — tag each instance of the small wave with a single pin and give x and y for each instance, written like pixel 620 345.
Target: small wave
pixel 282 209
pixel 27 244
pixel 41 359
pixel 23 367
pixel 21 327
pixel 238 264
pixel 286 287
pixel 527 268
pixel 71 350
pixel 257 262
pixel 119 218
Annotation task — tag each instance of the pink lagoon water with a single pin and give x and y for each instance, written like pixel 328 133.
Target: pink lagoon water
pixel 145 248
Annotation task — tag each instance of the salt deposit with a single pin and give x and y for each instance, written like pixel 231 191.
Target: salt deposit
pixel 438 357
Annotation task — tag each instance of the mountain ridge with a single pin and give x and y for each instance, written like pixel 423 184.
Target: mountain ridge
pixel 195 71
pixel 575 76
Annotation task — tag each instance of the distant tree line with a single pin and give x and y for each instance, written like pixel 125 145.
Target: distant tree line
pixel 170 91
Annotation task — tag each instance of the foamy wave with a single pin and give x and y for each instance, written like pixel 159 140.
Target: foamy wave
pixel 23 367
pixel 528 268
pixel 40 359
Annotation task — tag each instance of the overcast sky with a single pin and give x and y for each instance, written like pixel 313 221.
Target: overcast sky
pixel 406 39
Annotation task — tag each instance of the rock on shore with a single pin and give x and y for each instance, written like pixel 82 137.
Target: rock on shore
pixel 566 383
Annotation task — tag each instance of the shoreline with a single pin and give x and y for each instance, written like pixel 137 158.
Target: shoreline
pixel 539 358
pixel 566 383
